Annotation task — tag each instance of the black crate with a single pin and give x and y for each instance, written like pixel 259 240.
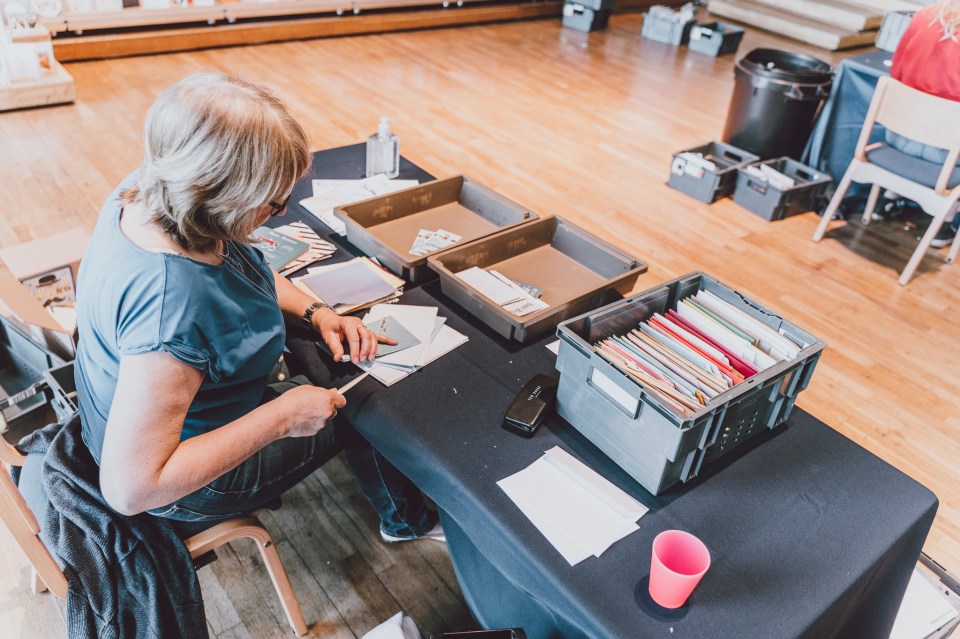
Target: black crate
pixel 715 38
pixel 666 31
pixel 706 185
pixel 772 203
pixel 23 362
pixel 582 18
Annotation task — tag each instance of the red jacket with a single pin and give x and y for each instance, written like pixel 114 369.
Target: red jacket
pixel 926 62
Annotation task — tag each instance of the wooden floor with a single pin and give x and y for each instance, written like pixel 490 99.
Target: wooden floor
pixel 566 123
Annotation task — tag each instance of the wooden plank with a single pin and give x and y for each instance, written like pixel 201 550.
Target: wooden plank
pixel 839 14
pixel 812 32
pixel 56 87
pixel 889 5
pixel 223 35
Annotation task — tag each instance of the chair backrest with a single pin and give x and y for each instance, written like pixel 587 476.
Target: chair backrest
pixel 920 116
pixel 16 514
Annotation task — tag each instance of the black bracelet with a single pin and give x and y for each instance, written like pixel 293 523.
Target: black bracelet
pixel 307 316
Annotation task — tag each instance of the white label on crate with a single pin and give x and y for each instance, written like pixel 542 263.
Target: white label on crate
pixel 695 33
pixel 568 10
pixel 614 392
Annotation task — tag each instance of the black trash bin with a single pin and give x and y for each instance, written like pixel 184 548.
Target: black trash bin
pixel 775 100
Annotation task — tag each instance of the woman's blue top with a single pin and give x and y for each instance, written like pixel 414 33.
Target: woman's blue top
pixel 223 320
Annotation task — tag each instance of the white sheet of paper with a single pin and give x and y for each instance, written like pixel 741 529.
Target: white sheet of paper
pixel 489 286
pixel 577 510
pixel 553 347
pixel 419 320
pixel 923 611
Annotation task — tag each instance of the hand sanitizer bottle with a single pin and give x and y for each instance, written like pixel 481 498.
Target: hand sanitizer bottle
pixel 383 151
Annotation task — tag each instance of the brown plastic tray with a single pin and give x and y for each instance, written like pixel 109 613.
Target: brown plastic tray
pixel 577 272
pixel 385 227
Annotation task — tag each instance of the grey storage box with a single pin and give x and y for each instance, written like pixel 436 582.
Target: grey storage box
pixel 666 31
pixel 715 38
pixel 575 270
pixel 704 184
pixel 584 18
pixel 631 423
pixel 22 365
pixel 385 227
pixel 595 5
pixel 892 29
pixel 772 203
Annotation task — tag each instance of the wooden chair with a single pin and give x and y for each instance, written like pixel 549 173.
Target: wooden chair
pixel 16 514
pixel 919 116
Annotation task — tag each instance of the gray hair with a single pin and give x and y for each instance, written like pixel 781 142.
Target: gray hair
pixel 217 149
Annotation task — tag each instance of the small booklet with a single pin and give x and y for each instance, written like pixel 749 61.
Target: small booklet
pixel 278 249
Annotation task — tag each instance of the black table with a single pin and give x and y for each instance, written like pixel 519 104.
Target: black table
pixel 810 534
pixel 837 129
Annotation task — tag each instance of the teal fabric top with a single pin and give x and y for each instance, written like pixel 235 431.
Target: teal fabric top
pixel 223 320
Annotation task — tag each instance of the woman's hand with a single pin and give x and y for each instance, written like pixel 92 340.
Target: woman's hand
pixel 307 409
pixel 334 329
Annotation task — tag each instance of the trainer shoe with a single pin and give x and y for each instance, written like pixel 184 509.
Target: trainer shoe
pixel 944 237
pixel 435 533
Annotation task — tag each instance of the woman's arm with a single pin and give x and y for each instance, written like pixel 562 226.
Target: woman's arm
pixel 332 327
pixel 144 465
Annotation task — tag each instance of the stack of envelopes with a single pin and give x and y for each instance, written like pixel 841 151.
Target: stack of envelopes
pixel 351 286
pixel 422 337
pixel 695 352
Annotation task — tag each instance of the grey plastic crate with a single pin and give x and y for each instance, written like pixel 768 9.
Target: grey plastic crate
pixel 772 203
pixel 583 17
pixel 385 227
pixel 666 31
pixel 23 362
pixel 715 38
pixel 652 442
pixel 709 186
pixel 63 388
pixel 892 29
pixel 575 270
pixel 595 5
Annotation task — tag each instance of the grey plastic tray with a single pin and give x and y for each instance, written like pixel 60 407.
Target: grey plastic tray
pixel 385 227
pixel 653 443
pixel 709 186
pixel 772 203
pixel 666 31
pixel 583 17
pixel 892 28
pixel 576 271
pixel 715 38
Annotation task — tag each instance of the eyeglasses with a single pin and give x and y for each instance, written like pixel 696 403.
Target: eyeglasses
pixel 279 208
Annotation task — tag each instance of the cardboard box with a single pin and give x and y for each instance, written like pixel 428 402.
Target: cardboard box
pixel 39 270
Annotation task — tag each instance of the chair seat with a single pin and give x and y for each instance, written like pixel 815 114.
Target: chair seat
pixel 910 167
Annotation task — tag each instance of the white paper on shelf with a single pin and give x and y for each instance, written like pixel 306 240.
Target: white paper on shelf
pixel 924 610
pixel 577 510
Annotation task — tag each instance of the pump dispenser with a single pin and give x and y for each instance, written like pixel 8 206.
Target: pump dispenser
pixel 383 151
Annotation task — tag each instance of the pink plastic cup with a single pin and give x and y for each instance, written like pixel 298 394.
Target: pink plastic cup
pixel 679 562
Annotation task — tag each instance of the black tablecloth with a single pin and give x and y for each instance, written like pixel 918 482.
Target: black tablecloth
pixel 810 534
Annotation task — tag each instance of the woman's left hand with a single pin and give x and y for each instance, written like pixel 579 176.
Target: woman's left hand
pixel 361 341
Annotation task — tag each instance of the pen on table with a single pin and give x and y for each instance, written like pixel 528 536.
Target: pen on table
pixel 343 389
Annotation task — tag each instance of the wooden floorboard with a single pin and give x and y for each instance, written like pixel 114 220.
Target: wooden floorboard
pixel 566 123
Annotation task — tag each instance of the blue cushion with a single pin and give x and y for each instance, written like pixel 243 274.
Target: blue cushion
pixel 910 167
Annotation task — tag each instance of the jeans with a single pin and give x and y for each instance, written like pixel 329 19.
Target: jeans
pixel 260 480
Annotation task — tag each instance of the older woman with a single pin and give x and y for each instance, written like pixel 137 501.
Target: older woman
pixel 181 322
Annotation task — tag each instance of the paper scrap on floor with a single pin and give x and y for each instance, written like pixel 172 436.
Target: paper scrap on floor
pixel 329 194
pixel 502 291
pixel 435 339
pixel 577 510
pixel 924 610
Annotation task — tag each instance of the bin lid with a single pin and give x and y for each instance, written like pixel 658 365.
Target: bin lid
pixel 786 66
